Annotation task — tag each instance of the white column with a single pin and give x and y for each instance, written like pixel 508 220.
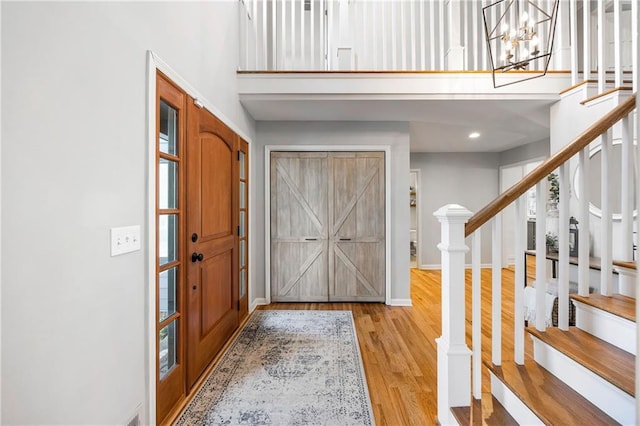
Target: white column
pixel 476 313
pixel 454 357
pixel 496 290
pixel 583 223
pixel 455 50
pixel 606 267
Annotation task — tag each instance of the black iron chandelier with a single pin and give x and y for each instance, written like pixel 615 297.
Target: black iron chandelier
pixel 519 36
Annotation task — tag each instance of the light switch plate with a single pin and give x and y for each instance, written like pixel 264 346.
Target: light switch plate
pixel 125 240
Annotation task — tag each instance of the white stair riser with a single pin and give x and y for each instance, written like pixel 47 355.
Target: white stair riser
pixel 518 410
pixel 627 279
pixel 618 331
pixel 604 395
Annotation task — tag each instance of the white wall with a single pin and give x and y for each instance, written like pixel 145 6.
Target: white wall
pixel 468 179
pixel 73 166
pixel 339 133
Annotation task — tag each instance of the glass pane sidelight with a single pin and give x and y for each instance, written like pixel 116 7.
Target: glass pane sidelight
pixel 242 194
pixel 243 285
pixel 242 223
pixel 168 184
pixel 168 238
pixel 168 138
pixel 167 348
pixel 242 253
pixel 167 293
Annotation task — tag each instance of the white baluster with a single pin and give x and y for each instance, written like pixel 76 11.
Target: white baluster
pixel 573 6
pixel 443 28
pixel 294 35
pixel 432 36
pixel 454 357
pixel 274 35
pixel 583 220
pixel 617 44
pixel 476 313
pixel 601 41
pixel 563 249
pixel 626 189
pixel 403 38
pixel 385 64
pixel 412 21
pixel 520 274
pixel 304 62
pixel 541 253
pixel 586 39
pixel 496 289
pixel 265 52
pixel 635 54
pixel 423 46
pixel 323 39
pixel 393 37
pixel 606 267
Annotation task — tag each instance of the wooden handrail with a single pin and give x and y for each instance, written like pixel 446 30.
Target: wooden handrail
pixel 548 166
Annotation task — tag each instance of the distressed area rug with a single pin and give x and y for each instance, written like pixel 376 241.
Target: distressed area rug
pixel 287 368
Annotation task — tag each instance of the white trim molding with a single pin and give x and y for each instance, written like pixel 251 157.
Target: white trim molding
pixel 400 302
pixel 258 301
pixel 329 148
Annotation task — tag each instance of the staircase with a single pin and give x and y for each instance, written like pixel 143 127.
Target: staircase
pixel 582 374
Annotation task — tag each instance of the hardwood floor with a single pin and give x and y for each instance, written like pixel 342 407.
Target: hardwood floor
pixel 399 350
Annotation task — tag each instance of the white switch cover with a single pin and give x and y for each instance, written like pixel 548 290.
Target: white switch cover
pixel 125 239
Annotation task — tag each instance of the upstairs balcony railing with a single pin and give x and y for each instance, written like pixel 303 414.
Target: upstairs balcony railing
pixel 423 35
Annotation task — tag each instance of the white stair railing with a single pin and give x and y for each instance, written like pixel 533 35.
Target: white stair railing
pixel 454 366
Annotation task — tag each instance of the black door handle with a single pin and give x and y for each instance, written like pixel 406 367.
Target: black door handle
pixel 197 257
pixel 345 239
pixel 311 239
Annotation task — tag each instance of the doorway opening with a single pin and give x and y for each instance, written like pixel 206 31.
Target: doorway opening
pixel 414 218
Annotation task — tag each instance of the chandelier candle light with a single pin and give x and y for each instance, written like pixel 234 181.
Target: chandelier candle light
pixel 519 36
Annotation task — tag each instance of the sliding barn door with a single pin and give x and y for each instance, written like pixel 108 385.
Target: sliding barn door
pixel 299 231
pixel 356 227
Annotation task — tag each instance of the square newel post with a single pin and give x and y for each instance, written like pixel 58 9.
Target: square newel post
pixel 454 357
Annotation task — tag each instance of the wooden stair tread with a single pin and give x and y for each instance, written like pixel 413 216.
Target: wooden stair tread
pixel 617 304
pixel 625 264
pixel 547 396
pixel 606 360
pixel 487 411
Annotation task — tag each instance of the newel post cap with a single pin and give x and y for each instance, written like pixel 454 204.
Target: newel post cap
pixel 452 212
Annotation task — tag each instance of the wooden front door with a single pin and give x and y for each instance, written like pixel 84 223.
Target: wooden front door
pixel 212 261
pixel 299 226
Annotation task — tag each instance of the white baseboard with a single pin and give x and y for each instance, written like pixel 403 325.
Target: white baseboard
pixel 436 266
pixel 259 301
pixel 400 302
pixel 601 393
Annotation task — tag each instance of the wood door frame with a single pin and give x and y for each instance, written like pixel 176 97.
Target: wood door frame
pixel 154 64
pixel 329 148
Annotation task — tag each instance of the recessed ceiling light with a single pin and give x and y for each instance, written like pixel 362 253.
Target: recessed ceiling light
pixel 474 135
